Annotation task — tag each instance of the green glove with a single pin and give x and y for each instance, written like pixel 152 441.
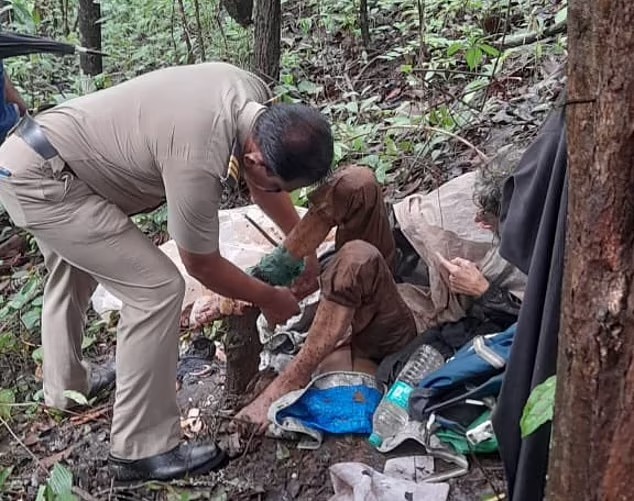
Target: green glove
pixel 278 268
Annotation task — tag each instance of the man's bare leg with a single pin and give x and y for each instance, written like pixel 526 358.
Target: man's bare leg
pixel 331 324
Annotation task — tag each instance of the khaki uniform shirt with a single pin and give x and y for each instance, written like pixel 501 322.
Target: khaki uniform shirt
pixel 164 136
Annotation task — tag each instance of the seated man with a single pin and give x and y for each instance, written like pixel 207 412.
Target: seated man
pixel 363 315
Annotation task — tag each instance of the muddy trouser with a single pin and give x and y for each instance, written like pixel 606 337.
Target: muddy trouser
pixel 360 275
pixel 85 240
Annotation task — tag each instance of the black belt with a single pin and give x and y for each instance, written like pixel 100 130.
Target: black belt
pixel 33 135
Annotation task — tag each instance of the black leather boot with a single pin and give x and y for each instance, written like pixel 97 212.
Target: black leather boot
pixel 186 460
pixel 102 378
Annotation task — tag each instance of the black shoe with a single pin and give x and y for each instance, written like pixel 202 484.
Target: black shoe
pixel 182 461
pixel 102 378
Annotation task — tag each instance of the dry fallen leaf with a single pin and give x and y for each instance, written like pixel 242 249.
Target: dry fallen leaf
pixel 192 425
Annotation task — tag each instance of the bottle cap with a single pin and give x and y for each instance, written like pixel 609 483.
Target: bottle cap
pixel 375 440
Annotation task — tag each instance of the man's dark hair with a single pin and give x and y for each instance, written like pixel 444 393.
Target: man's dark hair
pixel 295 141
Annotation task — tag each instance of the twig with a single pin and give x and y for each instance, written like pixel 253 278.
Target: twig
pixel 362 70
pixel 24 446
pixel 86 417
pixel 262 231
pixel 112 489
pixel 529 38
pixel 442 131
pixel 246 449
pixel 82 494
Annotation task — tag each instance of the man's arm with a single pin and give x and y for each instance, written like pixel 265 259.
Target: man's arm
pixel 12 95
pixel 221 276
pixel 279 207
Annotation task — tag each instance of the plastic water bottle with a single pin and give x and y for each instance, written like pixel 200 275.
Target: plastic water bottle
pixel 392 413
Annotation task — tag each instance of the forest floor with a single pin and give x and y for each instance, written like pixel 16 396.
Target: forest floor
pixel 415 130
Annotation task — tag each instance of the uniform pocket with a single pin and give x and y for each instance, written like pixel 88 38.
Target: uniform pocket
pixel 54 181
pixel 11 204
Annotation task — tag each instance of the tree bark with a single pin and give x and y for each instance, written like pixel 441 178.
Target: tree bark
pixel 242 347
pixel 190 58
pixel 241 11
pixel 364 23
pixel 90 35
pixel 266 39
pixel 593 444
pixel 200 36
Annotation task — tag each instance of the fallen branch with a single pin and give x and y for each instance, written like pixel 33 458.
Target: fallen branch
pixel 529 38
pixel 89 416
pixel 479 152
pixel 24 446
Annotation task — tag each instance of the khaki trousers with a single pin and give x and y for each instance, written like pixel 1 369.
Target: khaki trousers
pixel 85 240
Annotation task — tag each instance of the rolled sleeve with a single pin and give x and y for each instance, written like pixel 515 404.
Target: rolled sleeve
pixel 193 194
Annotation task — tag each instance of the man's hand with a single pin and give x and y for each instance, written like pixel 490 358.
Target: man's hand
pixel 308 282
pixel 280 306
pixel 209 308
pixel 257 413
pixel 464 276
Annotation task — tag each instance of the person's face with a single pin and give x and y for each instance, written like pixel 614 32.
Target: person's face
pixel 260 176
pixel 487 221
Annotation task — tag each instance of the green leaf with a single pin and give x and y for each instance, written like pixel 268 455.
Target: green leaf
pixel 454 48
pixel 26 293
pixel 38 355
pixel 308 87
pixel 31 318
pixel 562 15
pixel 76 397
pixel 539 407
pixel 87 342
pixel 473 57
pixel 7 342
pixel 41 493
pixel 7 397
pixel 490 50
pixel 61 481
pixel 4 475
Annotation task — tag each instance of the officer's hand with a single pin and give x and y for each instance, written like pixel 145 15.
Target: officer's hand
pixel 280 306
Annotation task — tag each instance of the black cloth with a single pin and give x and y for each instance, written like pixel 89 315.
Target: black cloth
pixel 17 44
pixel 533 226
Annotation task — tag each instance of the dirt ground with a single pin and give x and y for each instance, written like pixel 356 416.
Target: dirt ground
pixel 260 468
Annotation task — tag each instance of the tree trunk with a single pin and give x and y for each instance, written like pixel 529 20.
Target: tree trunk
pixel 241 11
pixel 364 23
pixel 90 35
pixel 593 444
pixel 242 347
pixel 266 39
pixel 188 42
